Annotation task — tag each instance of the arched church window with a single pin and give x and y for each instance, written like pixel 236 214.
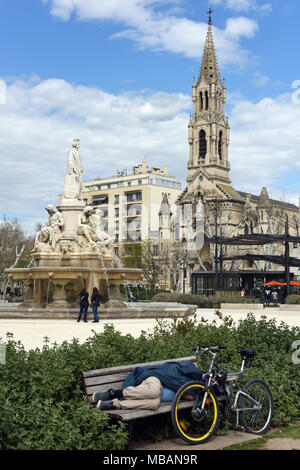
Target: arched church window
pixel 201 101
pixel 206 100
pixel 202 144
pixel 220 145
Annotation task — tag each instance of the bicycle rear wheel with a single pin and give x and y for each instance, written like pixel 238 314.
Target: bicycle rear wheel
pixel 257 415
pixel 192 422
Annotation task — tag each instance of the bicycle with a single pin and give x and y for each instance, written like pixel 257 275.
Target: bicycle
pixel 196 406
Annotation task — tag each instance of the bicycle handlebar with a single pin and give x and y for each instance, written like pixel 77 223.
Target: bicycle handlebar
pixel 212 349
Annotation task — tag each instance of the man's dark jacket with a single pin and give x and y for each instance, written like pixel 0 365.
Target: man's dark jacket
pixel 171 374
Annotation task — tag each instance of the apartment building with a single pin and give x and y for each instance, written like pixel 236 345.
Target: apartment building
pixel 130 202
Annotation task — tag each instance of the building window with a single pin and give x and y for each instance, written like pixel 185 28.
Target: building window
pixel 201 101
pixel 202 144
pixel 117 212
pixel 206 100
pixel 100 200
pixel 220 144
pixel 134 197
pixel 117 198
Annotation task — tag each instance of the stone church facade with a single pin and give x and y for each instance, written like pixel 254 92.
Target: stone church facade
pixel 226 211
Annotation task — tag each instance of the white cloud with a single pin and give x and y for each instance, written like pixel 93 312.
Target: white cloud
pixel 150 28
pixel 244 5
pixel 259 79
pixel 265 139
pixel 41 118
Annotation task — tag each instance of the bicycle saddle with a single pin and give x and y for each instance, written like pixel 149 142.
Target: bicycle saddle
pixel 247 352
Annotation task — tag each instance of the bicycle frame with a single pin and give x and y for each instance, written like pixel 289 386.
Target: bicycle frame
pixel 230 378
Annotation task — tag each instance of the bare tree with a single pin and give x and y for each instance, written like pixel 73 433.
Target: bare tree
pixel 150 262
pixel 13 244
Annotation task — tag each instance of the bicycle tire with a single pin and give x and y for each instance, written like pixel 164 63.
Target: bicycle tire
pixel 190 424
pixel 257 421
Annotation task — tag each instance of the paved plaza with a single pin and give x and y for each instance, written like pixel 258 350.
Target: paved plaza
pixel 31 333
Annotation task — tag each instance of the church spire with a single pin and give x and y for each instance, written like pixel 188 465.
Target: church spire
pixel 208 130
pixel 209 68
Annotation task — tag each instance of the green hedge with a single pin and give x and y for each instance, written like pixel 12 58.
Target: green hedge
pixel 200 300
pixel 238 300
pixel 292 299
pixel 42 405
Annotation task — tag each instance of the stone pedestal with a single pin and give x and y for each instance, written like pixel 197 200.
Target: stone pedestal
pixel 59 294
pixel 28 301
pixel 70 209
pixel 115 300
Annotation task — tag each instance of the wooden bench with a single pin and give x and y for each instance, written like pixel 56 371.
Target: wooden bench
pixel 113 377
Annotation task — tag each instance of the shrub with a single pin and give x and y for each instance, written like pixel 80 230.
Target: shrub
pixel 200 300
pixel 238 300
pixel 292 299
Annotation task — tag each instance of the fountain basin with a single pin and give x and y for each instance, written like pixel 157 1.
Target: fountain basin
pixel 142 310
pixel 58 287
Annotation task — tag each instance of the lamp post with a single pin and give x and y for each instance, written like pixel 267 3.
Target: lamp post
pixel 183 267
pixel 287 258
pixel 216 209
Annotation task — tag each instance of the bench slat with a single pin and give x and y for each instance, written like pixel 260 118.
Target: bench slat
pixel 104 379
pixel 129 368
pixel 128 415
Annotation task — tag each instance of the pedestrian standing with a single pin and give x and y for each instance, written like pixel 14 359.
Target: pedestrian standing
pixel 268 297
pixel 95 300
pixel 84 305
pixel 275 297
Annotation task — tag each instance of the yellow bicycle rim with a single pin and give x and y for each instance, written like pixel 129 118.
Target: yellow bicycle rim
pixel 215 413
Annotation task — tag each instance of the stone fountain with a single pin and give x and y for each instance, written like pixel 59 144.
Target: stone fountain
pixel 72 251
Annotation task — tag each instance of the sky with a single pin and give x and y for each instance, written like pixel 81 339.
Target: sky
pixel 118 75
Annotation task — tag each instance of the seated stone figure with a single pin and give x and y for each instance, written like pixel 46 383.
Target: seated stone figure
pixel 89 227
pixel 51 233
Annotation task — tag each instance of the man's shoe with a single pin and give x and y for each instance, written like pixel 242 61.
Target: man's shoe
pixel 104 396
pixel 108 395
pixel 105 405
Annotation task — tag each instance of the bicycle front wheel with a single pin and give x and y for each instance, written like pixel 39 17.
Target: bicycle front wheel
pixel 256 407
pixel 195 413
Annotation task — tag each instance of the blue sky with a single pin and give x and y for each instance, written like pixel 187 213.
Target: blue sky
pixel 118 74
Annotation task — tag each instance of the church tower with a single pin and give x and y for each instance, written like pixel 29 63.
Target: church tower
pixel 208 130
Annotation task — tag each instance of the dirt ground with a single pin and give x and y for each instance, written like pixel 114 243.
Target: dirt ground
pixel 282 444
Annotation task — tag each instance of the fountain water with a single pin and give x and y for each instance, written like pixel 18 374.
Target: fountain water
pixel 105 274
pixel 48 286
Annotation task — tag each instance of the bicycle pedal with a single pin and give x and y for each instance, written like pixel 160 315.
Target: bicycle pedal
pixel 240 428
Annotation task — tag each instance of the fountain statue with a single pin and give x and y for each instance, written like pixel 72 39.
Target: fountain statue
pixel 73 251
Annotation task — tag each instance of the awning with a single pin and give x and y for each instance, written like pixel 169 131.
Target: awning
pixel 275 283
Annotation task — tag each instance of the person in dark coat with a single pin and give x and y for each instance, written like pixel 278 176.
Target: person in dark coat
pixel 145 387
pixel 95 300
pixel 84 305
